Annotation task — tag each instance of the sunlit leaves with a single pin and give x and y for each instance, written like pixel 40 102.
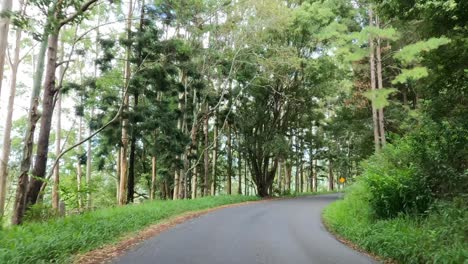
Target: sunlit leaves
pixel 412 53
pixel 379 97
pixel 413 74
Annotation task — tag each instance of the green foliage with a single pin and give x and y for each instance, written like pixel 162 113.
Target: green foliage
pixel 379 97
pixel 413 74
pixel 412 53
pixel 390 177
pixel 439 237
pixel 57 240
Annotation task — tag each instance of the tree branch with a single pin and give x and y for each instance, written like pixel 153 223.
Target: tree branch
pixel 80 11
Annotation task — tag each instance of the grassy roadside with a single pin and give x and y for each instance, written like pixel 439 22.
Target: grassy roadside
pixel 440 237
pixel 58 240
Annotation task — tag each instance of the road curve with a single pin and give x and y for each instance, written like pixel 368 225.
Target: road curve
pixel 275 232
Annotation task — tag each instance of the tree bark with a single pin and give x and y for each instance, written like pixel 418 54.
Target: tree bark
pixel 383 140
pixel 153 177
pixel 124 139
pixel 330 176
pixel 4 28
pixel 48 101
pixel 58 132
pixel 206 155
pixel 239 166
pixel 215 157
pixel 375 118
pixel 229 159
pixel 131 173
pixel 79 172
pixel 5 154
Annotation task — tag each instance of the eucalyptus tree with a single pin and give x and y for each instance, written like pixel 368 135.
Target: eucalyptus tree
pixel 4 28
pixel 57 16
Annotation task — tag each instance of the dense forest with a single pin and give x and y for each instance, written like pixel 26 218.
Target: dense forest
pixel 107 103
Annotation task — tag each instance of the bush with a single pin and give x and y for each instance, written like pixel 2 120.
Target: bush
pixel 393 183
pixel 437 237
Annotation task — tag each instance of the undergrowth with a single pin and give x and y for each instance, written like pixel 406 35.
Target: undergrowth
pixel 57 240
pixel 439 236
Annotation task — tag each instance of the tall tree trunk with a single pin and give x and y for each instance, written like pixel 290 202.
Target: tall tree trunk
pixel 239 166
pixel 229 159
pixel 206 155
pixel 375 118
pixel 383 140
pixel 79 172
pixel 4 28
pixel 33 117
pixel 194 182
pixel 58 135
pixel 89 165
pixel 153 176
pixel 124 147
pixel 48 103
pixel 215 157
pixel 280 177
pixel 5 156
pixel 330 176
pixel 288 176
pixel 314 175
pixel 117 177
pixel 131 173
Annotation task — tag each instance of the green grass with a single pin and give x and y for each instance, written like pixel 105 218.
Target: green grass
pixel 60 239
pixel 439 237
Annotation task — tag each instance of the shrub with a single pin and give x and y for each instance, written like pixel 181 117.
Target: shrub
pixel 437 237
pixel 393 183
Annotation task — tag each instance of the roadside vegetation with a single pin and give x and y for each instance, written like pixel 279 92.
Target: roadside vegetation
pixel 406 208
pixel 58 240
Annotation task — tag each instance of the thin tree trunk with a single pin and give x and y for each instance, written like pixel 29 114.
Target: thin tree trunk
pixel 206 155
pixel 330 176
pixel 4 28
pixel 58 132
pixel 383 140
pixel 239 166
pixel 229 159
pixel 194 182
pixel 117 177
pixel 375 118
pixel 79 172
pixel 89 166
pixel 40 163
pixel 280 178
pixel 314 175
pixel 124 147
pixel 215 157
pixel 131 173
pixel 288 177
pixel 5 156
pixel 153 177
pixel 33 117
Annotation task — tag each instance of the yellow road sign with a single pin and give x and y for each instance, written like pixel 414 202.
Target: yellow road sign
pixel 342 180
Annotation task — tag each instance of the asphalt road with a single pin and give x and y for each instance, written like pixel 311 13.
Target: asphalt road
pixel 274 232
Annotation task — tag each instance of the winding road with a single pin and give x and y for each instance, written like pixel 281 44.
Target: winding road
pixel 274 232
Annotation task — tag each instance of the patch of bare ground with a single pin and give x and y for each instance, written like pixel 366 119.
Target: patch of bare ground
pixel 106 253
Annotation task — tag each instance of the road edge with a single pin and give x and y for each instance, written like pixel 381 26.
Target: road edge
pixel 108 252
pixel 353 245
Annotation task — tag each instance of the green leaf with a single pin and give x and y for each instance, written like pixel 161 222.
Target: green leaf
pixel 412 53
pixel 415 73
pixel 379 97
